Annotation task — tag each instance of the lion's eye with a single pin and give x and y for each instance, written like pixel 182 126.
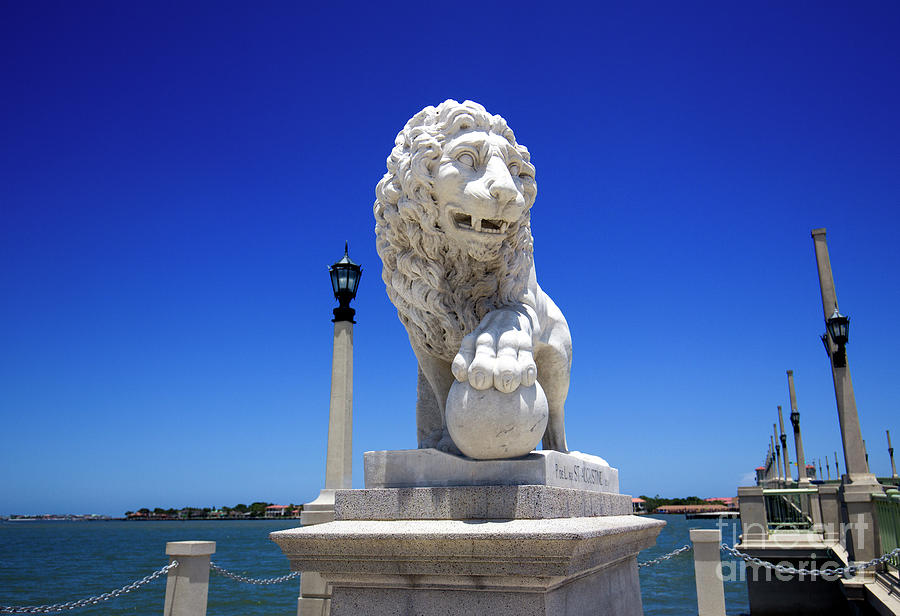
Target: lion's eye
pixel 467 159
pixel 514 169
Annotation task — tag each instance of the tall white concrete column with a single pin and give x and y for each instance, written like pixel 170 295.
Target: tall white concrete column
pixel 315 594
pixel 338 461
pixel 187 585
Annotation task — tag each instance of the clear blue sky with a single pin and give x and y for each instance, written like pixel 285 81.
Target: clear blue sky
pixel 175 178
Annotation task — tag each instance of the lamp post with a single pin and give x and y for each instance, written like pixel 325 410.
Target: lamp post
pixel 345 274
pixel 773 462
pixel 777 453
pixel 827 468
pixel 835 339
pixel 802 478
pixel 891 454
pixel 784 448
pixel 859 484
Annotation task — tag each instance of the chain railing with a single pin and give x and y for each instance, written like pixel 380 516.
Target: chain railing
pixel 246 580
pixel 71 605
pixel 848 571
pixel 671 554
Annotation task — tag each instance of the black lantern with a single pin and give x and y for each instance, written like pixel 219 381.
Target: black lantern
pixel 345 275
pixel 839 330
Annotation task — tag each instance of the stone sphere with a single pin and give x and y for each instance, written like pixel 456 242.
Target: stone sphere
pixel 490 425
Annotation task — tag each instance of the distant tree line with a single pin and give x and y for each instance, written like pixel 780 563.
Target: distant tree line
pixel 652 502
pixel 241 510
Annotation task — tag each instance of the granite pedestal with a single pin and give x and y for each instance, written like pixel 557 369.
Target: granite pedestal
pixel 464 548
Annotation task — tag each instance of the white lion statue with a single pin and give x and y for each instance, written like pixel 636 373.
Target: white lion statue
pixel 452 221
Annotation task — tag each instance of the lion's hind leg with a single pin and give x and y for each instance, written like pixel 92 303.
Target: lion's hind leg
pixel 553 375
pixel 429 427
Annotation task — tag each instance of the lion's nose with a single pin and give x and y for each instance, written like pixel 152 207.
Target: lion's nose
pixel 499 182
pixel 503 193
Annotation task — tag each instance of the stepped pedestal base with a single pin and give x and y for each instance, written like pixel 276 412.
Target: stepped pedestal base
pixel 559 566
pixel 440 535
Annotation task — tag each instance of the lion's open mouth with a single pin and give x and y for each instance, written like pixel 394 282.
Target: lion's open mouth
pixel 480 225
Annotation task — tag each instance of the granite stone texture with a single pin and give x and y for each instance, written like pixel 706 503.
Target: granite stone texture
pixel 561 566
pixel 611 590
pixel 433 468
pixel 477 503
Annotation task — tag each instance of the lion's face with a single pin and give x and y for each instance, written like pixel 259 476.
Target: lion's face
pixel 483 187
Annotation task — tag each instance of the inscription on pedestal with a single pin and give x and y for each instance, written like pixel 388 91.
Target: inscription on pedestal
pixel 429 467
pixel 580 476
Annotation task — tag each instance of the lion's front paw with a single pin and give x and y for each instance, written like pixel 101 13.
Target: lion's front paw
pixel 447 445
pixel 496 357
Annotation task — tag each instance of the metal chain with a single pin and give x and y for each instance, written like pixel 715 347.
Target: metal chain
pixel 655 561
pixel 829 571
pixel 246 580
pixel 71 605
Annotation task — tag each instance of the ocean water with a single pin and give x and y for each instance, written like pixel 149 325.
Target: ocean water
pixel 55 562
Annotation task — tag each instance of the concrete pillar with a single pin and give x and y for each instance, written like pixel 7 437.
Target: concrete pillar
pixel 753 513
pixel 891 454
pixel 830 512
pixel 708 571
pixel 187 585
pixel 802 479
pixel 777 452
pixel 773 460
pixel 848 417
pixel 315 594
pixel 859 484
pixel 784 448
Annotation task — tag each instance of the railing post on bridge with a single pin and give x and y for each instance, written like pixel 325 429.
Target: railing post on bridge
pixel 754 525
pixel 187 585
pixel 708 571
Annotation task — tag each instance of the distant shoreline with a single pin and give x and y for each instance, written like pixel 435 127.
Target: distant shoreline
pixel 110 519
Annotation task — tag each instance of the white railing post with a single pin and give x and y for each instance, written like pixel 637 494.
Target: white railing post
pixel 187 585
pixel 708 571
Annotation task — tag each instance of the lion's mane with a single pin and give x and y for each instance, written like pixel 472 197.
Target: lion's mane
pixel 441 292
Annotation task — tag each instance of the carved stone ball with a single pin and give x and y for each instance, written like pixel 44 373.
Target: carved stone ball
pixel 491 425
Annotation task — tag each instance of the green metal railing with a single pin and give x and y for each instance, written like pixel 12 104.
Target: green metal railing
pixel 887 520
pixel 788 509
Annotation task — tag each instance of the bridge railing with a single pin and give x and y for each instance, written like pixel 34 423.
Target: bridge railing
pixel 789 508
pixel 887 521
pixel 187 583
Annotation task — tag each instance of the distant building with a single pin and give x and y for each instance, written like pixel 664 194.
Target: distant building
pixel 276 511
pixel 638 505
pixel 729 501
pixel 690 508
